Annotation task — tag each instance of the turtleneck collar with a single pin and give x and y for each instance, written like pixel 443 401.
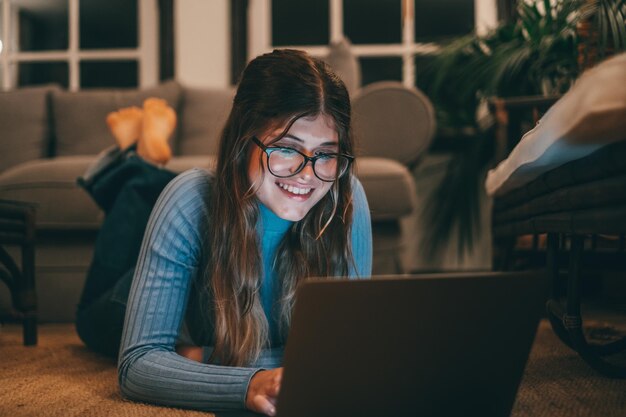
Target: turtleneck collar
pixel 270 222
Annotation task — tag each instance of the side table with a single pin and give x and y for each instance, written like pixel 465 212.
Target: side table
pixel 17 227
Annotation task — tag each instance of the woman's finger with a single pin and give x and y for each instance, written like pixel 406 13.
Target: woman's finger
pixel 263 405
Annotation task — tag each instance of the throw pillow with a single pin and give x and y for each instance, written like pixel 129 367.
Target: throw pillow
pixel 345 64
pixel 79 117
pixel 24 125
pixel 203 115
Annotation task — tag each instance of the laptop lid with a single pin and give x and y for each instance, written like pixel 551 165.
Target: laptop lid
pixel 428 345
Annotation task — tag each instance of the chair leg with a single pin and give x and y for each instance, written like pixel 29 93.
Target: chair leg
pixel 22 287
pixel 504 249
pixel 572 323
pixel 29 297
pixel 553 307
pixel 552 261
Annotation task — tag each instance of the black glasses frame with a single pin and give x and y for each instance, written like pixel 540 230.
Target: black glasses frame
pixel 268 150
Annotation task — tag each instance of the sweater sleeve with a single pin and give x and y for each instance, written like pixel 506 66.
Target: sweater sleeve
pixel 361 233
pixel 149 368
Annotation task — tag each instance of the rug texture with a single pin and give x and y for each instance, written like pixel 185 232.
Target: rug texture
pixel 60 377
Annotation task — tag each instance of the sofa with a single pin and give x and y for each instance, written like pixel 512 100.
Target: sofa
pixel 50 136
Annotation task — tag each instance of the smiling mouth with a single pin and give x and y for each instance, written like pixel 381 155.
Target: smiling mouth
pixel 296 191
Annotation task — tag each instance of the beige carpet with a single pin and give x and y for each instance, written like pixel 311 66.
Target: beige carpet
pixel 60 377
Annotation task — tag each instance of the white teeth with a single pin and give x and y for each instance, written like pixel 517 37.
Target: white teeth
pixel 294 190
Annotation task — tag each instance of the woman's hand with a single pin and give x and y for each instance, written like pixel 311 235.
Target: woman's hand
pixel 190 352
pixel 263 391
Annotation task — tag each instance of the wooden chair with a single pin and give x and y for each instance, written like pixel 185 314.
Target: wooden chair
pixel 17 227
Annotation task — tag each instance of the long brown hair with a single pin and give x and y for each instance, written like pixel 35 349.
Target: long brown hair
pixel 275 90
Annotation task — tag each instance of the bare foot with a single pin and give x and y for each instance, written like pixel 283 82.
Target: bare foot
pixel 159 121
pixel 125 125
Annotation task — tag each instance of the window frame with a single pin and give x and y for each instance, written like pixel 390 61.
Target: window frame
pixel 146 53
pixel 260 39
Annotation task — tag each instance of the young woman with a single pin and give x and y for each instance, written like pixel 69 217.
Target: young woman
pixel 207 305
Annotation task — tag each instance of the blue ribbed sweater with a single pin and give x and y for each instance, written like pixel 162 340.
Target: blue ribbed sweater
pixel 149 368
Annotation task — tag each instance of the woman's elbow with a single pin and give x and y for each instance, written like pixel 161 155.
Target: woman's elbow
pixel 122 379
pixel 126 373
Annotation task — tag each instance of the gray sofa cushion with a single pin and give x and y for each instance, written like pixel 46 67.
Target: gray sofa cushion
pixel 63 205
pixel 24 125
pixel 203 115
pixel 51 184
pixel 389 187
pixel 183 163
pixel 79 117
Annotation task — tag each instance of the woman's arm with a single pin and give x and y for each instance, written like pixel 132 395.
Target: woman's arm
pixel 361 233
pixel 149 368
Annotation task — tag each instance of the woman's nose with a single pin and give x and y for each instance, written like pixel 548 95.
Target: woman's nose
pixel 307 171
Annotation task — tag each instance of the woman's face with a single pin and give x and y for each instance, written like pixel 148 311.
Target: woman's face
pixel 292 198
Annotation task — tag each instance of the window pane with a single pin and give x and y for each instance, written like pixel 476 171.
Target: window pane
pixel 40 26
pixel 300 22
pixel 381 69
pixel 34 73
pixel 372 21
pixel 108 74
pixel 436 20
pixel 108 24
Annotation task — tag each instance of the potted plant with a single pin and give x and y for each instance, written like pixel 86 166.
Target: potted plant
pixel 601 30
pixel 537 54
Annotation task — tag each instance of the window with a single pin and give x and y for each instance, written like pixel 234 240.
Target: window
pixel 373 21
pixel 300 23
pixel 442 19
pixel 392 38
pixel 78 44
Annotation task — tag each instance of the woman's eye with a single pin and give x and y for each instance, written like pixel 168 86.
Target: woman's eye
pixel 286 152
pixel 324 156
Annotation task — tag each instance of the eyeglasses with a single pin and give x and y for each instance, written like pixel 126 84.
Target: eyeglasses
pixel 284 162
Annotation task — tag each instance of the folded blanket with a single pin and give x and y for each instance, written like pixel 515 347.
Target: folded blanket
pixel 589 116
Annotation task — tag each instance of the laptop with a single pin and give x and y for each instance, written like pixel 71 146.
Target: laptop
pixel 410 345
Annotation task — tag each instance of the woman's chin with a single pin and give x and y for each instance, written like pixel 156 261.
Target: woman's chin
pixel 291 214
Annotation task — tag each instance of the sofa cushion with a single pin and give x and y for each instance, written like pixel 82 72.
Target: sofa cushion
pixel 389 187
pixel 79 117
pixel 61 204
pixel 183 163
pixel 203 115
pixel 24 125
pixel 51 184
